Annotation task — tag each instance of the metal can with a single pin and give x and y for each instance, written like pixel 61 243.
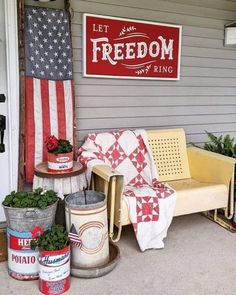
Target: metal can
pixel 90 222
pixel 54 271
pixel 22 261
pixel 60 162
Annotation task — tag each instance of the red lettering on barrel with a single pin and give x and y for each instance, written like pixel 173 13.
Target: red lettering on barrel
pixel 14 257
pixel 33 259
pixel 23 259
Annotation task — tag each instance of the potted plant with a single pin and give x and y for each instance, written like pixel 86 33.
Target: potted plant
pixel 60 154
pixel 54 260
pixel 25 210
pixel 27 214
pixel 221 145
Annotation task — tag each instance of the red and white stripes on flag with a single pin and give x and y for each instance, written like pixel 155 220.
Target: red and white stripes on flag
pixel 74 237
pixel 49 96
pixel 49 110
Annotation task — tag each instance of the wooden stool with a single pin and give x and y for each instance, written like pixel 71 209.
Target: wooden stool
pixel 62 182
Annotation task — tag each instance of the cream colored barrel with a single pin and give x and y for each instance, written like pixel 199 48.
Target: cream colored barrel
pixel 87 211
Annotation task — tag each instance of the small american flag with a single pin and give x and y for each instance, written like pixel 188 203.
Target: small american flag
pixel 74 237
pixel 48 83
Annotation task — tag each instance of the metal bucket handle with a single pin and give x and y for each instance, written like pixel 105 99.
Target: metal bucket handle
pixel 30 213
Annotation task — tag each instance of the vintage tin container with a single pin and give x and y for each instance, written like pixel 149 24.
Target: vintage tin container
pixel 22 261
pixel 87 211
pixel 60 162
pixel 54 271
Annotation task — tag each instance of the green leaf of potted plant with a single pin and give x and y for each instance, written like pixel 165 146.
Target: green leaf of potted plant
pixel 54 260
pixel 60 154
pixel 221 145
pixel 25 210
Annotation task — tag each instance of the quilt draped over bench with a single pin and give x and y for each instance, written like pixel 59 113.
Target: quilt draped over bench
pixel 151 203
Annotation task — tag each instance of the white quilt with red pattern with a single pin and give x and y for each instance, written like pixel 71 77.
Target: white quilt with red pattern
pixel 150 202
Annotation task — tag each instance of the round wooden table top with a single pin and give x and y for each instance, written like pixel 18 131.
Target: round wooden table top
pixel 41 170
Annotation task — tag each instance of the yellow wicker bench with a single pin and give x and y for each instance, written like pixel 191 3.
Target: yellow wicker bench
pixel 203 180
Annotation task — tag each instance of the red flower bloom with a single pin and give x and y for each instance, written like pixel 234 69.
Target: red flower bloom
pixel 51 143
pixel 36 231
pixel 58 146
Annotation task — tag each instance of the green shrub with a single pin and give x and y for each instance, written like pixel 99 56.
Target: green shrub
pixel 36 199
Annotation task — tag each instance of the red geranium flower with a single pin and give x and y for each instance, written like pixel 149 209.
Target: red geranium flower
pixel 37 231
pixel 51 143
pixel 58 146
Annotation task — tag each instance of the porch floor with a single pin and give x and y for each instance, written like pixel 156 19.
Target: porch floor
pixel 199 258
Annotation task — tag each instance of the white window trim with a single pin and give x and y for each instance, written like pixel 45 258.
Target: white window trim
pixel 12 61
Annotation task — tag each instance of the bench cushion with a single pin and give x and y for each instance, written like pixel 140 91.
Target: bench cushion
pixel 192 196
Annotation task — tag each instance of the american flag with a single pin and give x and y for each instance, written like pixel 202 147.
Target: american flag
pixel 49 85
pixel 74 237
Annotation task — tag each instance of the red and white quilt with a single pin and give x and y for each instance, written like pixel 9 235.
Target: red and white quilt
pixel 151 203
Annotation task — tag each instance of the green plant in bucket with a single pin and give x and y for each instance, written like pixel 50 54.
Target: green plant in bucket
pixel 52 239
pixel 36 199
pixel 58 146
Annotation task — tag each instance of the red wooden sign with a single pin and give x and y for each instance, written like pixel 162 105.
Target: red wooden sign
pixel 125 48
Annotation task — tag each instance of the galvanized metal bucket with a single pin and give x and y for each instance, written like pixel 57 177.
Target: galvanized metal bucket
pixel 87 211
pixel 25 219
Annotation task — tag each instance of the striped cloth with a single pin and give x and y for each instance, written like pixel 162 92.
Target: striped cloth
pixel 74 237
pixel 48 82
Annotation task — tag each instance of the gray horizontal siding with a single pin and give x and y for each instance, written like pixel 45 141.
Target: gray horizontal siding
pixel 133 101
pixel 175 8
pixel 216 4
pixel 152 121
pixel 151 15
pixel 113 90
pixel 153 111
pixel 203 99
pixel 185 81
